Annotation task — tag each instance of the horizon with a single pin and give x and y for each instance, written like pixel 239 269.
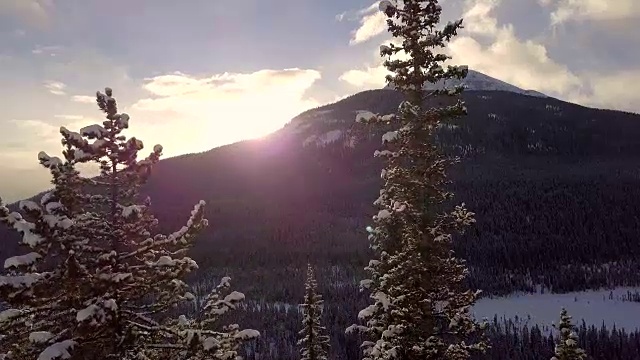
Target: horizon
pixel 55 56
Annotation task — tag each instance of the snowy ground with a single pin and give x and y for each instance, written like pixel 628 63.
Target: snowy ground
pixel 595 307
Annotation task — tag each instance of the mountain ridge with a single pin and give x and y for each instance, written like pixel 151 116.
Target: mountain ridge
pixel 477 81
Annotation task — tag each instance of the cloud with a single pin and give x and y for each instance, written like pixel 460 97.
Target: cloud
pixel 84 99
pixel 33 12
pixel 478 17
pixel 524 63
pixel 227 107
pixel 372 23
pixel 69 117
pixel 55 87
pixel 51 50
pixel 369 77
pixel 580 10
pixel 612 90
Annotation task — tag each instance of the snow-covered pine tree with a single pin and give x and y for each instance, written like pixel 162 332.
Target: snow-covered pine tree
pixel 420 304
pixel 314 344
pixel 197 338
pixel 97 279
pixel 567 347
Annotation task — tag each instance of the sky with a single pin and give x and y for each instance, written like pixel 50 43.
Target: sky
pixel 196 74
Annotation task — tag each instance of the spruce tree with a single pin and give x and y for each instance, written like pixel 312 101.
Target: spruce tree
pixel 421 308
pixel 202 336
pixel 567 347
pixel 97 278
pixel 313 343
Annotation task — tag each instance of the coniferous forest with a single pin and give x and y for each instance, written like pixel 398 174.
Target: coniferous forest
pixel 429 218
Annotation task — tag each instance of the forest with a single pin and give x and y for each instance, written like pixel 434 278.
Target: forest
pixel 542 199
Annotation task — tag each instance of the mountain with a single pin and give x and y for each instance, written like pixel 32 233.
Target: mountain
pixel 555 188
pixel 552 183
pixel 477 81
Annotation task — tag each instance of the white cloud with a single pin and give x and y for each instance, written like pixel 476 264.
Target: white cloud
pixel 524 63
pixel 227 107
pixel 51 50
pixel 372 23
pixel 84 99
pixel 371 26
pixel 478 19
pixel 33 12
pixel 578 10
pixel 69 117
pixel 55 87
pixel 369 77
pixel 613 90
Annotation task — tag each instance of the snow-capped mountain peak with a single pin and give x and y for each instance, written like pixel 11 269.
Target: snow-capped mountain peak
pixel 477 81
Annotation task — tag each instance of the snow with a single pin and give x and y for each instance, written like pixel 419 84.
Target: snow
pixel 26 228
pixel 364 116
pixel 310 140
pixel 210 343
pixel 46 197
pixel 111 304
pixel 383 299
pixel 127 211
pixel 165 261
pixel 52 206
pixel 40 337
pixel 87 312
pixel 94 131
pixel 388 117
pixel 389 136
pixel 234 296
pixel 99 144
pixel 247 334
pixel 324 139
pixel 383 214
pixel 22 260
pixel 59 350
pixel 594 307
pixel 59 221
pixel 384 6
pixel 378 153
pixel 74 136
pixel 49 161
pixel 182 320
pixel 79 155
pixel 123 121
pixel 477 81
pixel 366 312
pixel 29 205
pixel 9 314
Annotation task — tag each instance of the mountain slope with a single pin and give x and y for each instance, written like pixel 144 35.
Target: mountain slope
pixel 477 81
pixel 554 186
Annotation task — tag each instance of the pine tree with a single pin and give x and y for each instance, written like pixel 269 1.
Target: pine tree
pixel 567 347
pixel 420 305
pixel 314 345
pixel 97 280
pixel 197 338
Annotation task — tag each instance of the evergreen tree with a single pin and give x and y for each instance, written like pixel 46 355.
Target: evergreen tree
pixel 421 307
pixel 567 347
pixel 97 279
pixel 197 338
pixel 314 345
